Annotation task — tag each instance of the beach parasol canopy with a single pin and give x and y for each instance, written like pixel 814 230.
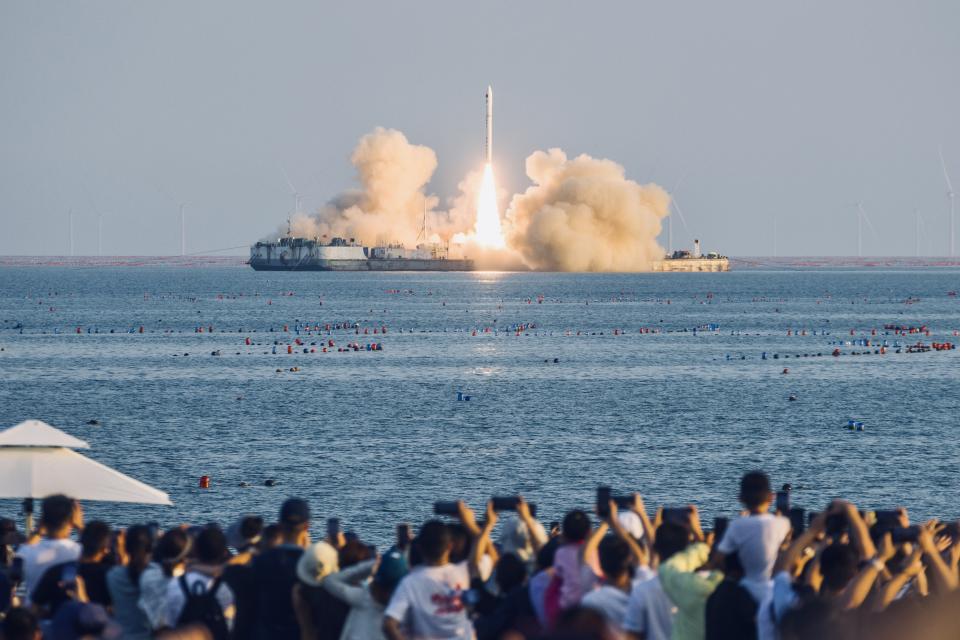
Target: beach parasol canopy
pixel 36 460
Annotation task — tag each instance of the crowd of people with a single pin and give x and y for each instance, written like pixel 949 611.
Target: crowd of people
pixel 615 571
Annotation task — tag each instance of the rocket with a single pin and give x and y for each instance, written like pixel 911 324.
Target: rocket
pixel 489 145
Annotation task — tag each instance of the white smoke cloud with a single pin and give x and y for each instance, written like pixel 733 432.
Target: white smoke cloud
pixel 585 215
pixel 390 203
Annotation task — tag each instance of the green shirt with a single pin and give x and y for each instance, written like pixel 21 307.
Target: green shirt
pixel 689 590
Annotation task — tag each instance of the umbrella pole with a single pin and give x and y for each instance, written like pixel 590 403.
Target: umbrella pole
pixel 28 516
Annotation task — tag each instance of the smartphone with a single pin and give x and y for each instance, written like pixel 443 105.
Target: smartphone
pixel 887 519
pixel 68 576
pixel 446 508
pixel 403 536
pixel 603 501
pixel 509 503
pixel 783 502
pixel 836 524
pixel 333 528
pixel 905 534
pixel 719 528
pixel 677 515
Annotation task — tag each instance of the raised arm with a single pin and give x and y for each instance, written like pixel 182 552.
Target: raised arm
pixel 538 537
pixel 482 541
pixel 939 571
pixel 790 558
pixel 639 555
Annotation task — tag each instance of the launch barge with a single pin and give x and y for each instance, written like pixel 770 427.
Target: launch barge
pixel 305 254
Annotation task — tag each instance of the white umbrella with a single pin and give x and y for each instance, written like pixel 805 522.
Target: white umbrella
pixel 35 462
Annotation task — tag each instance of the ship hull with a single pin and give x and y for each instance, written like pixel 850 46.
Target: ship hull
pixel 385 264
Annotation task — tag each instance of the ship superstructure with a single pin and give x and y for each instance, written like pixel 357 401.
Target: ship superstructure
pixel 342 254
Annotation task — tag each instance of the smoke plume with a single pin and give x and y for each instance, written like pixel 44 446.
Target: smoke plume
pixel 584 215
pixel 389 206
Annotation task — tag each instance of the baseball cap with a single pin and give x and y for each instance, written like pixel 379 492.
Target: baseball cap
pixel 632 523
pixel 392 569
pixel 317 562
pixel 294 512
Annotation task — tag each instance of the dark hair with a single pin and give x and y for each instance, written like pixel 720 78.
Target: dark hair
pixel 580 623
pixel 671 538
pixel 576 526
pixel 434 540
pixel 615 557
pixel 251 527
pixel 459 541
pixel 20 624
pixel 754 489
pixel 546 554
pixel 138 542
pixel 732 567
pixel 56 512
pixel 171 550
pixel 272 534
pixel 838 564
pixel 211 546
pixel 511 572
pixel 353 552
pixel 95 537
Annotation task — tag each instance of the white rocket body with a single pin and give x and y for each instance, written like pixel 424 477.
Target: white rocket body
pixel 489 145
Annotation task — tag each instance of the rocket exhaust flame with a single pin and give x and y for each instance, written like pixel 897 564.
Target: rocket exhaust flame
pixel 487 229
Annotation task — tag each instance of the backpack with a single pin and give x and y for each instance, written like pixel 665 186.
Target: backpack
pixel 201 607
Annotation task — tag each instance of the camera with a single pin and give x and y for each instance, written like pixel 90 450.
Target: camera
pixel 899 535
pixel 719 528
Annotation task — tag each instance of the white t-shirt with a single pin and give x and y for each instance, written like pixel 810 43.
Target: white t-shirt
pixel 176 598
pixel 756 540
pixel 610 601
pixel 40 556
pixel 429 600
pixel 649 611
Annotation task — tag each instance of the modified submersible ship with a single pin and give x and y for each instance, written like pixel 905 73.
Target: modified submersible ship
pixel 340 254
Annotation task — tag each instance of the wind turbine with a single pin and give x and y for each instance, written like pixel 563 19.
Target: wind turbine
pixel 916 212
pixel 293 192
pixel 950 197
pixel 861 218
pixel 183 230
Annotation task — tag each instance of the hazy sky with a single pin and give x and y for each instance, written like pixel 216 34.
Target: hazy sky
pixel 761 110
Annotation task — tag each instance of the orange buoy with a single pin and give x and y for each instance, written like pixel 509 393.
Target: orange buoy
pixel 204 482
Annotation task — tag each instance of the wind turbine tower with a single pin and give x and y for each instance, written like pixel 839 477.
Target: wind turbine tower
pixel 950 197
pixel 183 230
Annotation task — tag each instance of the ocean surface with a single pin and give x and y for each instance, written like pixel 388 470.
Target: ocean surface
pixel 605 382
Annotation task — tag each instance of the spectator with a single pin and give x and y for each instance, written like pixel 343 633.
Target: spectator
pixel 200 596
pixel 94 563
pixel 367 600
pixel 429 600
pixel 572 560
pixel 687 585
pixel 319 614
pixel 731 609
pixel 611 597
pixel 512 610
pixel 170 557
pixel 541 580
pixel 275 574
pixel 650 612
pixel 59 516
pixel 82 620
pixel 249 537
pixel 123 583
pixel 522 534
pixel 756 537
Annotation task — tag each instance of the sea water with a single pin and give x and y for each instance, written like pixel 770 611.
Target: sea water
pixel 605 382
